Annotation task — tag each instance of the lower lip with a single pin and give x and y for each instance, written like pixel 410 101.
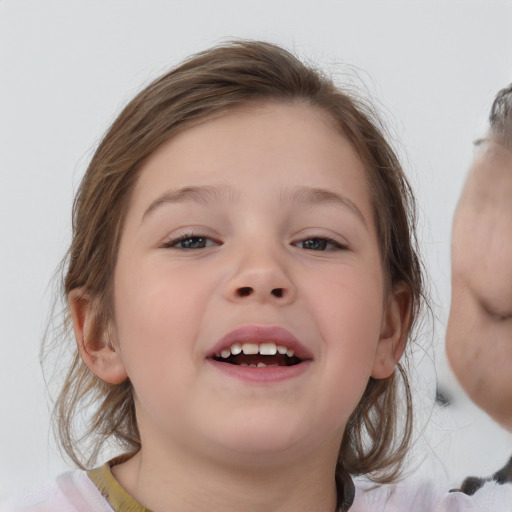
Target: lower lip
pixel 267 374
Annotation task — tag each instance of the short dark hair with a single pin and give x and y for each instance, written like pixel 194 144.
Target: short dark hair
pixel 500 118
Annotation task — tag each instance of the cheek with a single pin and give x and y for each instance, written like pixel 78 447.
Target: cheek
pixel 157 314
pixel 348 313
pixel 156 294
pixel 352 298
pixel 350 317
pixel 156 335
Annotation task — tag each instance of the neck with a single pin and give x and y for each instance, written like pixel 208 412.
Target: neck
pixel 193 483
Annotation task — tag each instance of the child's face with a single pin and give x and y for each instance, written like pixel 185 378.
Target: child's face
pixel 256 227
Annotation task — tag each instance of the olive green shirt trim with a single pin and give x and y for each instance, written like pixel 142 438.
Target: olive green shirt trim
pixel 121 501
pixel 112 491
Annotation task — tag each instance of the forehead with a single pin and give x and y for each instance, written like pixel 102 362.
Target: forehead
pixel 492 154
pixel 269 131
pixel 257 154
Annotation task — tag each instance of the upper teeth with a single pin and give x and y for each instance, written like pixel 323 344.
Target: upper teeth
pixel 264 349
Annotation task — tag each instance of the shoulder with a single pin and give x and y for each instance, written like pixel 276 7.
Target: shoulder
pixel 430 496
pixel 71 492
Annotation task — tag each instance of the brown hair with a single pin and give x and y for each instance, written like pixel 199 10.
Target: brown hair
pixel 207 85
pixel 500 118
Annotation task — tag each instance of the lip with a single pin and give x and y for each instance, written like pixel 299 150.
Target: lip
pixel 267 375
pixel 262 334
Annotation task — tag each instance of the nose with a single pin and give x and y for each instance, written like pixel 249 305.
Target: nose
pixel 261 277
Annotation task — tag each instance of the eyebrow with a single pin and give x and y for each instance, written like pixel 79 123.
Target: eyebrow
pixel 210 194
pixel 200 194
pixel 315 195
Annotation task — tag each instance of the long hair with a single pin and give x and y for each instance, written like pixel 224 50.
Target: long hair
pixel 205 86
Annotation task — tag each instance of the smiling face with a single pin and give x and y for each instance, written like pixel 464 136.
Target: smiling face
pixel 249 241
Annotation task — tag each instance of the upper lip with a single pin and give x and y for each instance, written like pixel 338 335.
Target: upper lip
pixel 261 334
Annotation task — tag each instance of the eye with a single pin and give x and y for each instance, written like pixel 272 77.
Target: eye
pixel 320 244
pixel 190 242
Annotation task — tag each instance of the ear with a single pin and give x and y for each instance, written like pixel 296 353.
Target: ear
pixel 396 321
pixel 95 342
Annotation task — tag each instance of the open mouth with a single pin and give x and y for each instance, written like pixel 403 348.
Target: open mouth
pixel 257 355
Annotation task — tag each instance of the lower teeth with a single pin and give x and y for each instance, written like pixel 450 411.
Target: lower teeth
pixel 259 365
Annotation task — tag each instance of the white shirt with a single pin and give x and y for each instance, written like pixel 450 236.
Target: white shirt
pixel 74 492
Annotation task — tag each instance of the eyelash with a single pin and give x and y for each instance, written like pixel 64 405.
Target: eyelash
pixel 173 244
pixel 201 239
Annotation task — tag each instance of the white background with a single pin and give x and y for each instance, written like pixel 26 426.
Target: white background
pixel 68 67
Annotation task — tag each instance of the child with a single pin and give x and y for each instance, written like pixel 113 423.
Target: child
pixel 479 334
pixel 242 283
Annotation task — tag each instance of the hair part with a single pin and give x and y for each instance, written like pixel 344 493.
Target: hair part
pixel 207 85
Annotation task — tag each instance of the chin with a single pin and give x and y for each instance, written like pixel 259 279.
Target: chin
pixel 270 443
pixel 265 438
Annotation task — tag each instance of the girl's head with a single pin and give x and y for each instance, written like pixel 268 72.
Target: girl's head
pixel 243 197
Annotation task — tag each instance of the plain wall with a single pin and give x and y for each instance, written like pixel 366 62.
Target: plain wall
pixel 68 67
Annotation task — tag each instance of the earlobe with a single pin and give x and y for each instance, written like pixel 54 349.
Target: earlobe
pixel 94 341
pixel 394 332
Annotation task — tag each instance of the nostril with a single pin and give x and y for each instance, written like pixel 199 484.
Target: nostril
pixel 245 291
pixel 277 292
